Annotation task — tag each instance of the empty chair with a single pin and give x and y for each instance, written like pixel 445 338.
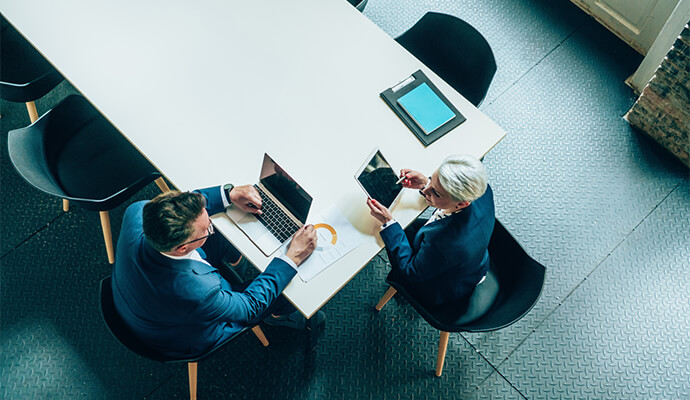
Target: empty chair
pixel 25 75
pixel 74 153
pixel 124 335
pixel 520 280
pixel 358 4
pixel 455 51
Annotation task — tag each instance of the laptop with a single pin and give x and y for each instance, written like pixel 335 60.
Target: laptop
pixel 285 206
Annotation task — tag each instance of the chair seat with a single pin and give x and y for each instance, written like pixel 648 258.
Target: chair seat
pixel 89 156
pixel 453 317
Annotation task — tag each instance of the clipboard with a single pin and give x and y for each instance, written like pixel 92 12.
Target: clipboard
pixel 423 108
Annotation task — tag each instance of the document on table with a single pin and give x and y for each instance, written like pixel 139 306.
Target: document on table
pixel 335 238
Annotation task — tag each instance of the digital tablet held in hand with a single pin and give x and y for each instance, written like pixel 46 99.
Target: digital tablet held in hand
pixel 378 179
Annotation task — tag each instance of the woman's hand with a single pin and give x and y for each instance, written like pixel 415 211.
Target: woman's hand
pixel 378 211
pixel 413 179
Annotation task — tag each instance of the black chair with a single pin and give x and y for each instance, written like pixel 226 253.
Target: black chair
pixel 25 76
pixel 358 4
pixel 455 51
pixel 124 335
pixel 74 153
pixel 520 280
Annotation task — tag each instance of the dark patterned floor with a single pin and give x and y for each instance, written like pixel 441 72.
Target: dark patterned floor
pixel 601 206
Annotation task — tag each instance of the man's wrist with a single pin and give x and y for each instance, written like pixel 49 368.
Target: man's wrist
pixel 289 261
pixel 227 189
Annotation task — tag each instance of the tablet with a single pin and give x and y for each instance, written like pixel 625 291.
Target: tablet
pixel 378 179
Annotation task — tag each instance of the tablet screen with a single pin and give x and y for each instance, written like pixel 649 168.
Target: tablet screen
pixel 377 178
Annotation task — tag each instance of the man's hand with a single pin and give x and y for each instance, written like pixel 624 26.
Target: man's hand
pixel 302 244
pixel 246 198
pixel 413 179
pixel 379 212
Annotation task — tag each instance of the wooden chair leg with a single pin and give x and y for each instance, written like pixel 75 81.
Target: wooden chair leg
pixel 65 205
pixel 33 113
pixel 386 296
pixel 260 335
pixel 107 236
pixel 442 346
pixel 160 182
pixel 191 368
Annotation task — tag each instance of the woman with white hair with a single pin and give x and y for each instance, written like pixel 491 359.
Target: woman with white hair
pixel 445 257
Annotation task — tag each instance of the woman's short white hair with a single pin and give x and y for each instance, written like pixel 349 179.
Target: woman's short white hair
pixel 463 177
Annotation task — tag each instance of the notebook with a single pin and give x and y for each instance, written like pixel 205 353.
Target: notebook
pixel 426 108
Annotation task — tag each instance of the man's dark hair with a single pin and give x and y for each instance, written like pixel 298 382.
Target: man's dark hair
pixel 168 218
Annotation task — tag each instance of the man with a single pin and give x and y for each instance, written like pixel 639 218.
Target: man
pixel 166 282
pixel 443 260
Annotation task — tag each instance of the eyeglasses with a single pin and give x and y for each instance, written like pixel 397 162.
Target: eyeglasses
pixel 421 191
pixel 209 230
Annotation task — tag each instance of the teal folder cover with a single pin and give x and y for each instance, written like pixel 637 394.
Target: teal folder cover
pixel 426 108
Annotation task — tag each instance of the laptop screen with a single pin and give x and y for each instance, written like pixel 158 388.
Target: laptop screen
pixel 288 192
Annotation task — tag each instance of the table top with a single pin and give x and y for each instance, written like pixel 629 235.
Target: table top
pixel 204 90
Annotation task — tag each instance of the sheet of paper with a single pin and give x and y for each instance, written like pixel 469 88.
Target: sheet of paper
pixel 336 237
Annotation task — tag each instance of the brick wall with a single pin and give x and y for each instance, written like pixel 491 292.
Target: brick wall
pixel 663 109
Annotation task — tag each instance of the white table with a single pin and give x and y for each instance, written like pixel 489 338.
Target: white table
pixel 203 89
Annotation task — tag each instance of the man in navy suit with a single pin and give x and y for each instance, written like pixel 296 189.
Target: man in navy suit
pixel 443 260
pixel 166 280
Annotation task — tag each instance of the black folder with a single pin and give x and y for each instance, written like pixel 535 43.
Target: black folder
pixel 422 107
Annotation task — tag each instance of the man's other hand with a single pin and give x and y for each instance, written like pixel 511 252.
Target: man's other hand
pixel 303 244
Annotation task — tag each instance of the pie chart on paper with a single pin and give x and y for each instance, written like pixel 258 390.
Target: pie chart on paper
pixel 335 237
pixel 326 237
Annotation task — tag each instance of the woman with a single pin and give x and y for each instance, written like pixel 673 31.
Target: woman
pixel 446 256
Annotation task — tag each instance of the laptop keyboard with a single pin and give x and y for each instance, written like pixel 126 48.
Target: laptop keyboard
pixel 275 219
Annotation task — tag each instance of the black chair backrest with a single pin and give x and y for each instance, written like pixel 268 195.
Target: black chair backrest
pixel 455 51
pixel 24 74
pixel 49 154
pixel 27 153
pixel 520 279
pixel 119 329
pixel 124 335
pixel 358 4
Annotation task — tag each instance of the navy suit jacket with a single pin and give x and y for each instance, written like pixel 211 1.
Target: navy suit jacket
pixel 184 307
pixel 447 257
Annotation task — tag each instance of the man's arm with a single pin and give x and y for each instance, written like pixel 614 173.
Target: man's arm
pixel 245 197
pixel 245 306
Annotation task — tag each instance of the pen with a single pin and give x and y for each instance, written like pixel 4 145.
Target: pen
pixel 402 178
